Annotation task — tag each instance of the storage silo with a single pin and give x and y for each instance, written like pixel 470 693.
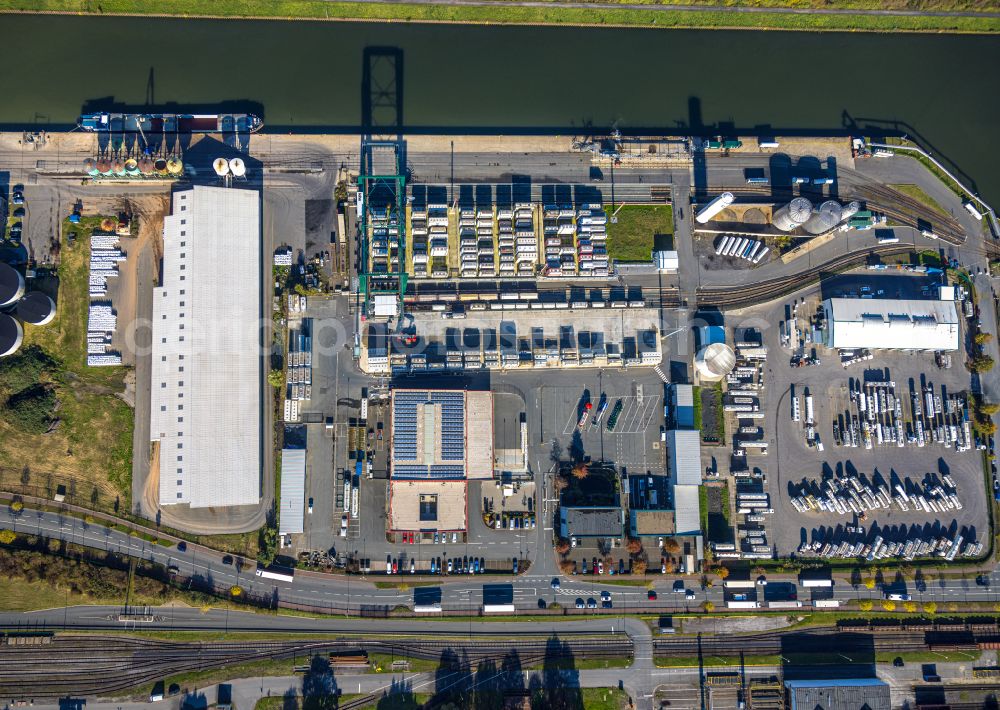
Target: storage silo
pixel 11 335
pixel 36 308
pixel 104 166
pixel 175 166
pixel 715 361
pixel 714 207
pixel 146 165
pixel 825 218
pixel 160 166
pixel 11 284
pixel 849 210
pixel 221 166
pixel 237 167
pixel 792 215
pixel 90 167
pixel 118 167
pixel 132 167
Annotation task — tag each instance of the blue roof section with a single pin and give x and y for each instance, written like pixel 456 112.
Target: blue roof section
pixel 451 436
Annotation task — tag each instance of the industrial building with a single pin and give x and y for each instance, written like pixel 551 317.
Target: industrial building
pixel 891 324
pixel 850 694
pixel 205 417
pixel 439 440
pixel 291 515
pixel 584 521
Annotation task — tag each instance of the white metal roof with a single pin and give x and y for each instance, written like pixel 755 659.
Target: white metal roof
pixel 684 453
pixel 882 323
pixel 687 511
pixel 293 491
pixel 206 361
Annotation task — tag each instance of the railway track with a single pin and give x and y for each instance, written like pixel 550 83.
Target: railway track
pixel 100 664
pixel 827 641
pixel 764 291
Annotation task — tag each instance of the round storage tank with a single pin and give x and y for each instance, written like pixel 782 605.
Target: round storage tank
pixel 160 166
pixel 792 215
pixel 90 167
pixel 175 166
pixel 237 167
pixel 145 165
pixel 132 167
pixel 825 218
pixel 849 210
pixel 11 284
pixel 36 308
pixel 221 166
pixel 715 361
pixel 11 335
pixel 118 167
pixel 104 166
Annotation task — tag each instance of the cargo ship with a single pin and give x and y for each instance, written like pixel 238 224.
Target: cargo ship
pixel 159 123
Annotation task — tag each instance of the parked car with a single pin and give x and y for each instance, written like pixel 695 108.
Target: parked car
pixel 605 596
pixel 227 560
pixel 591 604
pixel 388 564
pixel 310 506
pixel 651 595
pixel 450 567
pixel 689 594
pixel 395 566
pixel 606 605
pixel 515 565
pixel 413 566
pixel 600 568
pixel 579 603
pixel 182 546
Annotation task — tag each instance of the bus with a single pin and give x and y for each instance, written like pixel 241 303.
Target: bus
pixel 434 608
pixel 276 573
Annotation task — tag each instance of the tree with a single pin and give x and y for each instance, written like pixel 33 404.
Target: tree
pixel 268 544
pixel 567 567
pixel 562 546
pixel 869 582
pixel 559 483
pixel 930 607
pixel 236 591
pixel 639 567
pixel 988 409
pixel 276 378
pixel 952 606
pixel 671 545
pixel 888 605
pixel 910 606
pixel 17 506
pixel 722 571
pixel 707 606
pixel 982 338
pixel 634 546
pixel 865 605
pixel 981 363
pixel 581 470
pixel 7 536
pixel 987 427
pixel 670 566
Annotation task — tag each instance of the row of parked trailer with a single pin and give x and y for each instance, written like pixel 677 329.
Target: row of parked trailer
pixel 383 223
pixel 429 234
pixel 879 548
pixel 851 495
pixel 742 248
pixel 575 241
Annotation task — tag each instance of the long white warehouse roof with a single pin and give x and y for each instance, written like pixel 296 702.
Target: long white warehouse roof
pixel 883 323
pixel 207 353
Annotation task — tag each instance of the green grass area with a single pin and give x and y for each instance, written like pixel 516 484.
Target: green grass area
pixel 633 237
pixel 553 13
pixel 383 663
pixel 90 451
pixel 795 659
pixel 918 194
pixel 929 656
pixel 931 167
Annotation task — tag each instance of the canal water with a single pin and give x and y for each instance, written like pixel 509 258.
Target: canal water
pixel 942 89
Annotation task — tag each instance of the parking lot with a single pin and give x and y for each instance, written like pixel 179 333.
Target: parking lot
pixel 794 465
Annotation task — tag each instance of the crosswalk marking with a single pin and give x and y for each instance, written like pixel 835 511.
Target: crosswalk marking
pixel 660 374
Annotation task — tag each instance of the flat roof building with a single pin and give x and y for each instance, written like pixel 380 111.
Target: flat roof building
pixel 684 456
pixel 891 324
pixel 852 694
pixel 433 506
pixel 206 379
pixel 591 521
pixel 682 401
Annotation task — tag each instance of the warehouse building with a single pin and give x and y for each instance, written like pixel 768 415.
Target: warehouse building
pixel 206 379
pixel 890 324
pixel 852 694
pixel 439 440
pixel 587 521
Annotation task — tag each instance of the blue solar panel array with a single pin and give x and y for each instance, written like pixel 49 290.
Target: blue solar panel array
pixel 452 434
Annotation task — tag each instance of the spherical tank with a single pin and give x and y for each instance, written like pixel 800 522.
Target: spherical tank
pixel 36 308
pixel 118 167
pixel 792 215
pixel 11 284
pixel 160 166
pixel 104 166
pixel 715 361
pixel 90 166
pixel 175 166
pixel 11 334
pixel 132 167
pixel 221 166
pixel 237 167
pixel 145 165
pixel 825 218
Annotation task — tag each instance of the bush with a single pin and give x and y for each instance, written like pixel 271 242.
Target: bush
pixel 865 605
pixel 981 363
pixel 912 606
pixel 722 571
pixel 31 410
pixel 869 582
pixel 930 607
pixel 276 378
pixel 24 370
pixel 671 545
pixel 7 536
pixel 639 567
pixel 236 591
pixel 268 545
pixel 17 506
pixel 707 606
pixel 562 546
pixel 888 605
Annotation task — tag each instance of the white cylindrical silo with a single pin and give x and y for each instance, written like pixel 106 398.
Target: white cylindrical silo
pixel 715 361
pixel 237 167
pixel 849 210
pixel 825 218
pixel 221 166
pixel 11 284
pixel 11 335
pixel 715 207
pixel 792 215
